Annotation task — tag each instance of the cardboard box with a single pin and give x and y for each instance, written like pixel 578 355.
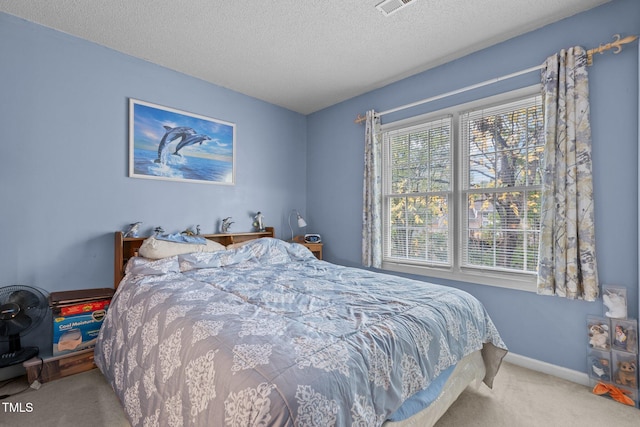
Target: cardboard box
pixel 77 318
pixel 76 332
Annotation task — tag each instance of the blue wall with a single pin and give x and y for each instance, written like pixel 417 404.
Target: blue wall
pixel 64 187
pixel 545 328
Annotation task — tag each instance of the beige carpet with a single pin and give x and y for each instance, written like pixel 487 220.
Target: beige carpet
pixel 520 398
pixel 525 398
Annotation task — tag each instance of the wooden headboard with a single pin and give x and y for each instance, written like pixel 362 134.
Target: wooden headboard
pixel 127 247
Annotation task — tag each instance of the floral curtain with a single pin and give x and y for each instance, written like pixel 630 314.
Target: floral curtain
pixel 372 194
pixel 567 253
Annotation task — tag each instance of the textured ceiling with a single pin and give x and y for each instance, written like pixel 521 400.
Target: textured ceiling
pixel 302 55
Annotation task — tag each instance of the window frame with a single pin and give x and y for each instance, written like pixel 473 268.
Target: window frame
pixel 388 184
pixel 456 271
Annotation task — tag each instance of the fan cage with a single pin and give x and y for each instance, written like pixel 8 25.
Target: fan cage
pixel 32 304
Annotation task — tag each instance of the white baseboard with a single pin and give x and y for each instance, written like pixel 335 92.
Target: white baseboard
pixel 548 368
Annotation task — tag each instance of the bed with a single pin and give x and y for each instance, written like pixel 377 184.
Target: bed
pixel 260 332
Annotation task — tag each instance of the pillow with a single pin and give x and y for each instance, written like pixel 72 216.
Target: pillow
pixel 155 248
pixel 145 266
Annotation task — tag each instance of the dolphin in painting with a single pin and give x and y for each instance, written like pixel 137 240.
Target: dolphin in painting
pixel 191 140
pixel 172 134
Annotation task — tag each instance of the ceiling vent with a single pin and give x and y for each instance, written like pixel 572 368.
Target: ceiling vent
pixel 388 7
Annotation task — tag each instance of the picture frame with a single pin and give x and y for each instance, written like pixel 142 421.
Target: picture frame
pixel 175 145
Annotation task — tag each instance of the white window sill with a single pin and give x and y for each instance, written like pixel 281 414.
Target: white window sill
pixel 518 281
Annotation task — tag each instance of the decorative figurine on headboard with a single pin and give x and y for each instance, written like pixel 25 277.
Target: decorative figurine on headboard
pixel 188 232
pixel 158 230
pixel 226 224
pixel 258 221
pixel 133 229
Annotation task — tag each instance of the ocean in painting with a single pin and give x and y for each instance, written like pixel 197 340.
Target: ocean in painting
pixel 182 167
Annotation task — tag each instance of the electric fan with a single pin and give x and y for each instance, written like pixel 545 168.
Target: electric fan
pixel 22 309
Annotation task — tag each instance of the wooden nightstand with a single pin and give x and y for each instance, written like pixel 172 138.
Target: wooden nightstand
pixel 315 248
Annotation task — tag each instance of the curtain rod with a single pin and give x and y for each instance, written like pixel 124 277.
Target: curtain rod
pixel 616 45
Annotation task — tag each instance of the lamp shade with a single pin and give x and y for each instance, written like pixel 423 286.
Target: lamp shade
pixel 301 222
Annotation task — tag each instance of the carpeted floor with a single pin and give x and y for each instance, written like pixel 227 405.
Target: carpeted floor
pixel 525 398
pixel 520 398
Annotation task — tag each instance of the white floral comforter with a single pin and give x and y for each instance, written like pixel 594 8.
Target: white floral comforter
pixel 269 335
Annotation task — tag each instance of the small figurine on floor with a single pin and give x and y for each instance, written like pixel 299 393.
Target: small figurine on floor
pixel 133 229
pixel 600 368
pixel 632 340
pixel 620 337
pixel 226 224
pixel 599 336
pixel 616 304
pixel 626 374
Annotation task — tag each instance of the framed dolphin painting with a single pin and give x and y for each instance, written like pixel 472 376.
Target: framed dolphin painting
pixel 169 144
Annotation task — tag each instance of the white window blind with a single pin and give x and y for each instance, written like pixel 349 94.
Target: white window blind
pixel 418 193
pixel 502 154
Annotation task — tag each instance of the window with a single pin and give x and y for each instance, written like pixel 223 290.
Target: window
pixel 461 191
pixel 418 192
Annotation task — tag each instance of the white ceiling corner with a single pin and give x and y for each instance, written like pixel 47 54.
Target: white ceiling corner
pixel 301 55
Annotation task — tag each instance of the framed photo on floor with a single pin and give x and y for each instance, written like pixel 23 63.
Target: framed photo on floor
pixel 175 145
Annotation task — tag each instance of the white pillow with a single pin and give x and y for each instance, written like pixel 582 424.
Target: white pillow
pixel 155 248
